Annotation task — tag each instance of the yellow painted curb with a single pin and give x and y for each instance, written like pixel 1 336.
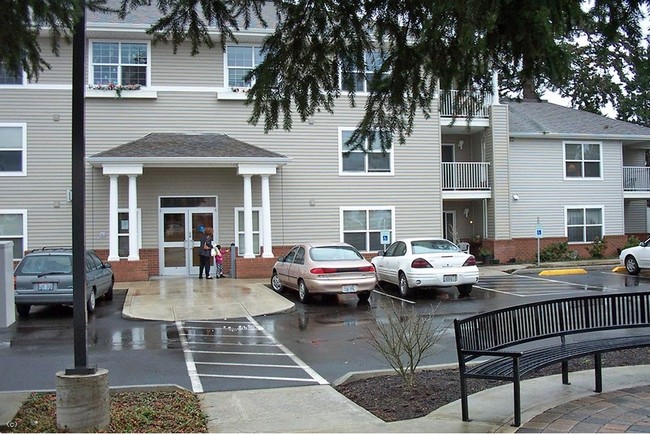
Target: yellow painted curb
pixel 563 271
pixel 619 269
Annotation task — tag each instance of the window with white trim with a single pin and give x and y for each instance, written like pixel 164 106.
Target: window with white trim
pixel 582 160
pixel 13 227
pixel 123 231
pixel 583 225
pixel 239 230
pixel 240 60
pixel 13 139
pixel 363 79
pixel 362 228
pixel 7 78
pixel 119 63
pixel 367 157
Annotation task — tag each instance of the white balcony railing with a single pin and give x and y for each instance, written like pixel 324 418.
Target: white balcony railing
pixel 465 176
pixel 466 106
pixel 636 178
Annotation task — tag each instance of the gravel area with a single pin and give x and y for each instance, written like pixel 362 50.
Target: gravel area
pixel 386 397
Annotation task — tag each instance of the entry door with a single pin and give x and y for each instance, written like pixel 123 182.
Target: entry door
pixel 182 229
pixel 449 225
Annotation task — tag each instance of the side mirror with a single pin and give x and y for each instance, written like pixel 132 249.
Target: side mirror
pixel 380 253
pixel 106 265
pixel 280 258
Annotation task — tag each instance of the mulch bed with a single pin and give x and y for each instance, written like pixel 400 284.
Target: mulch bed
pixel 387 397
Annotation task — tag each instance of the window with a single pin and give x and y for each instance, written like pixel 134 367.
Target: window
pixel 13 228
pixel 240 60
pixel 584 224
pixel 362 227
pixel 239 230
pixel 582 160
pixel 12 149
pixel 120 63
pixel 7 78
pixel 368 157
pixel 123 232
pixel 363 79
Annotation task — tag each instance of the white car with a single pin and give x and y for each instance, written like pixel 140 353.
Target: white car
pixel 636 258
pixel 422 262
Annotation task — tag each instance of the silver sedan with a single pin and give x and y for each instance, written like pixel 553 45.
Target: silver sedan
pixel 324 268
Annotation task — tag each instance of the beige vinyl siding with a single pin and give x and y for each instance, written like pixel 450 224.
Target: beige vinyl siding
pixel 498 157
pixel 48 164
pixel 60 72
pixel 543 191
pixel 184 70
pixel 313 172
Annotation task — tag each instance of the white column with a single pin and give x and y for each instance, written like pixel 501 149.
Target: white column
pixel 248 218
pixel 495 87
pixel 266 218
pixel 112 219
pixel 134 252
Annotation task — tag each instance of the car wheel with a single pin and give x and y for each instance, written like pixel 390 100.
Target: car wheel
pixel 276 284
pixel 363 296
pixel 23 309
pixel 303 292
pixel 631 265
pixel 109 294
pixel 404 289
pixel 464 290
pixel 92 302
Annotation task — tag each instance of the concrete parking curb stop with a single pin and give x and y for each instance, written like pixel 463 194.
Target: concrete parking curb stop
pixel 562 272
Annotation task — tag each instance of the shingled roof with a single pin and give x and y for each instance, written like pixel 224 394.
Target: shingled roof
pixel 177 148
pixel 529 118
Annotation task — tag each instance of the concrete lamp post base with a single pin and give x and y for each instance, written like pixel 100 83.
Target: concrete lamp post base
pixel 82 401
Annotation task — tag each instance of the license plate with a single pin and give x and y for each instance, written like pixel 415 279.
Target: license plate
pixel 349 288
pixel 449 278
pixel 46 286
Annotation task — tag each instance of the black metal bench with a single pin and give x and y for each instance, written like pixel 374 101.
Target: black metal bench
pixel 496 338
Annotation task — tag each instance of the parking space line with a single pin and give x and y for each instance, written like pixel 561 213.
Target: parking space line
pixel 392 296
pixel 498 291
pixel 197 387
pixel 256 377
pixel 254 365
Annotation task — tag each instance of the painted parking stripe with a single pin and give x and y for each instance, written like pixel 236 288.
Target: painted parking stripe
pixel 530 286
pixel 197 387
pixel 236 350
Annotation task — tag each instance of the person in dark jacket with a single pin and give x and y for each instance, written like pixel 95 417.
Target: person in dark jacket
pixel 205 255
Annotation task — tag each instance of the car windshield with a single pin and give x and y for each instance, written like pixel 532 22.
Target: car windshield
pixel 50 264
pixel 433 246
pixel 334 253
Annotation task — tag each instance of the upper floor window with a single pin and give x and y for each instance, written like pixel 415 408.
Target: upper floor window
pixel 362 228
pixel 363 79
pixel 12 228
pixel 240 60
pixel 120 63
pixel 13 138
pixel 8 78
pixel 583 225
pixel 582 160
pixel 366 158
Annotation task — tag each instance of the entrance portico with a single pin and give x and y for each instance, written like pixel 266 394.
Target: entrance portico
pixel 204 154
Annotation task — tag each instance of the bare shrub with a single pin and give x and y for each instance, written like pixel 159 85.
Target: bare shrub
pixel 404 338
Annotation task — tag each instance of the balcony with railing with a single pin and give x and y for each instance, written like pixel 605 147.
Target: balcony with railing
pixel 636 182
pixel 465 180
pixel 466 104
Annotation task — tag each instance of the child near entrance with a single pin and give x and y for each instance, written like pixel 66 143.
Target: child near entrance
pixel 218 261
pixel 205 256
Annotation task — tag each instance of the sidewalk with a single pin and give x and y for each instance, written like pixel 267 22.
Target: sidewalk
pixel 323 409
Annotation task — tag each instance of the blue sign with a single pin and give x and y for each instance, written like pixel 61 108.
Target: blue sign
pixel 539 233
pixel 201 228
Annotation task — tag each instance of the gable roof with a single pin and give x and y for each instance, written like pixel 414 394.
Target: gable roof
pixel 541 118
pixel 177 150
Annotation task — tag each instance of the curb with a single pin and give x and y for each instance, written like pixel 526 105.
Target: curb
pixel 563 272
pixel 619 269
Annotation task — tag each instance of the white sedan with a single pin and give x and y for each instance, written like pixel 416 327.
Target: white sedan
pixel 636 258
pixel 422 262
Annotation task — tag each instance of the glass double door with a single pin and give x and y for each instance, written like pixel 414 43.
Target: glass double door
pixel 182 230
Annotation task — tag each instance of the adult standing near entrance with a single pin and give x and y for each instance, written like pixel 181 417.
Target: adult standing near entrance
pixel 205 255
